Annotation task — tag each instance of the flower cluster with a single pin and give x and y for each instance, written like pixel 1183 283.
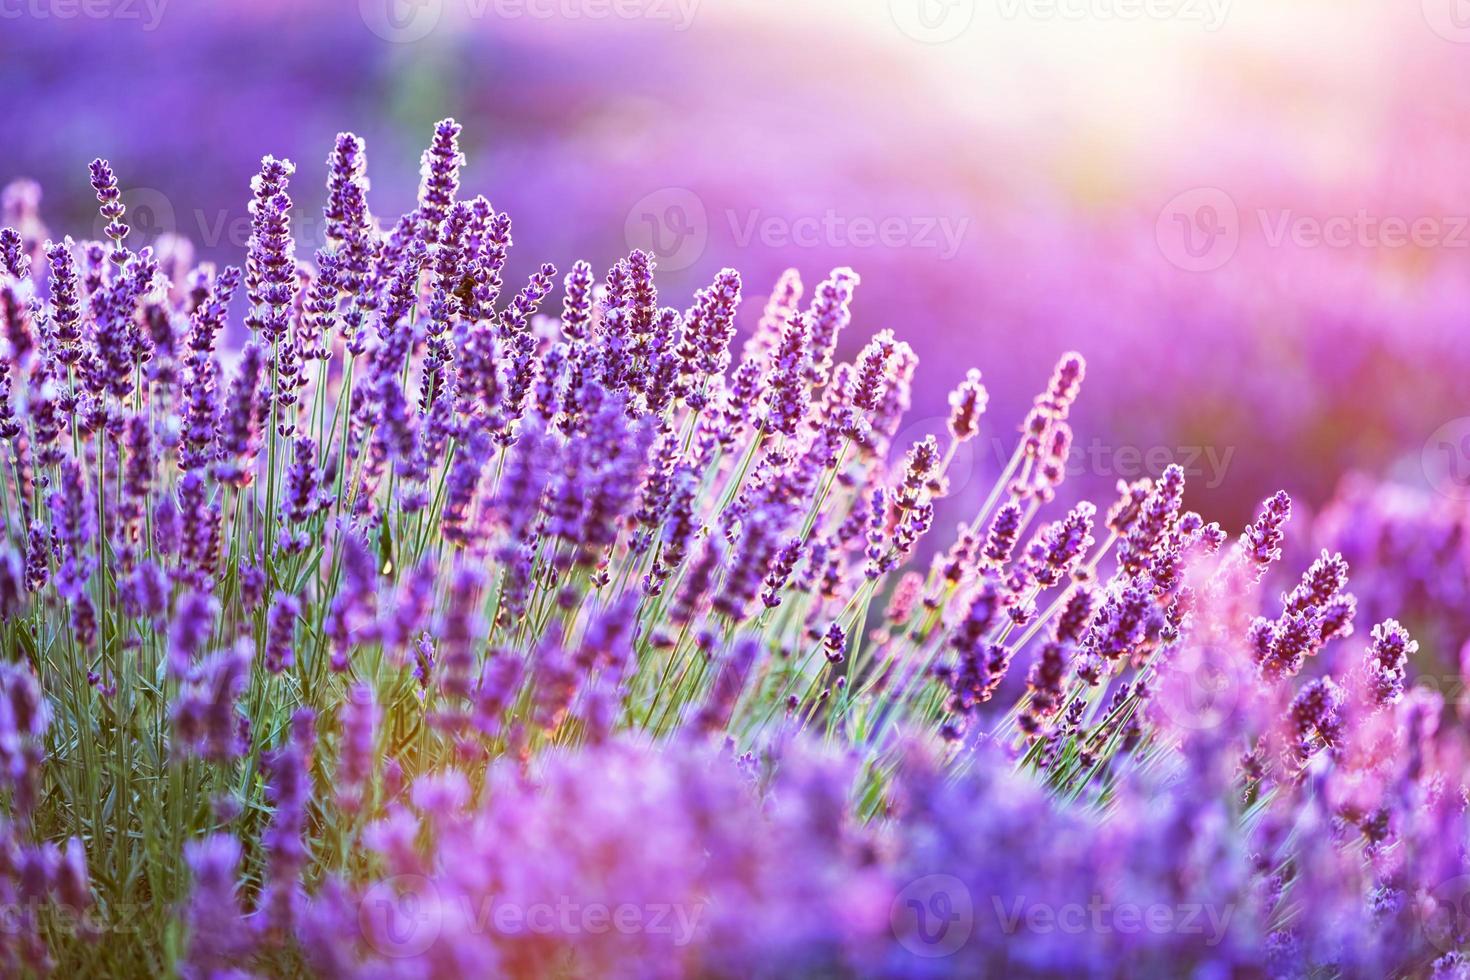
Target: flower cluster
pixel 424 605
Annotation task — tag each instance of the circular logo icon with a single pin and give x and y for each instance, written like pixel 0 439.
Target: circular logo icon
pixel 400 916
pixel 401 21
pixel 1199 691
pixel 932 21
pixel 1199 230
pixel 1450 19
pixel 1445 914
pixel 1446 459
pixel 933 916
pixel 967 461
pixel 149 215
pixel 671 223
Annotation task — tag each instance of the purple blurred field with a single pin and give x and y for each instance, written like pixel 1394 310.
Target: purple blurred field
pixel 997 212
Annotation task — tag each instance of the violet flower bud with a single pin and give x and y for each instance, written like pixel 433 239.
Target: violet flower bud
pixel 1386 661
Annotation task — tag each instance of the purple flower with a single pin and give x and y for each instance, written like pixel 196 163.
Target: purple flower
pixel 439 173
pixel 1260 545
pixel 38 557
pixel 206 720
pixel 440 794
pixel 288 788
pixel 109 199
pixel 218 942
pixel 787 393
pixel 829 313
pixel 12 583
pixel 238 432
pixel 576 317
pixel 193 625
pixel 73 526
pixel 719 706
pixel 1065 383
pixel 874 371
pixel 66 311
pixel 1072 621
pixel 84 621
pixel 13 259
pixel 500 681
pixel 1064 543
pixel 1319 586
pixel 1386 662
pixel 709 326
pixel 1155 520
pixel 270 268
pixel 1044 683
pixel 305 495
pixel 356 602
pixel 1005 528
pixel 356 749
pixel 280 632
pixel 556 679
pixel 1315 719
pixel 145 592
pixel 346 213
pixel 966 405
pixel 461 628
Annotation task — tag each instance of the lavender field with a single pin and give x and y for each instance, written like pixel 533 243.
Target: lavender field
pixel 581 489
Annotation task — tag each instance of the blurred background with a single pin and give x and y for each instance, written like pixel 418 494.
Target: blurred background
pixel 1252 216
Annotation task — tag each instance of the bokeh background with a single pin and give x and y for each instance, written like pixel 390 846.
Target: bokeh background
pixel 1252 216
